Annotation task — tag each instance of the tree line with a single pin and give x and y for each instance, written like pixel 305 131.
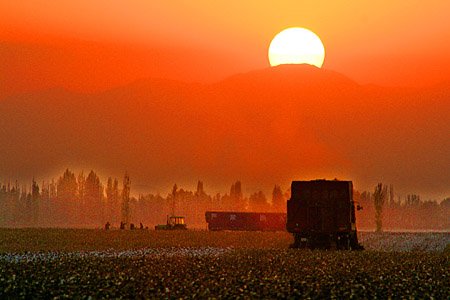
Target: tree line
pixel 85 201
pixel 384 210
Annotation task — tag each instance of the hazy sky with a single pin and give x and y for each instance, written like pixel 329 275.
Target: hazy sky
pixel 96 45
pixel 46 42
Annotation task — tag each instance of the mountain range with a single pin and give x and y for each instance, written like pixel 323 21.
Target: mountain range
pixel 264 127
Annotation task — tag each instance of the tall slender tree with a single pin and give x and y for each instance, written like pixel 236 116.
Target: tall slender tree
pixel 278 202
pixel 81 196
pixel 94 198
pixel 200 192
pixel 391 196
pixel 379 198
pixel 115 200
pixel 35 199
pixel 236 196
pixel 126 214
pixel 174 199
pixel 66 196
pixel 109 200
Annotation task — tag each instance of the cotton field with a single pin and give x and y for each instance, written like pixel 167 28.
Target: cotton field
pixel 199 264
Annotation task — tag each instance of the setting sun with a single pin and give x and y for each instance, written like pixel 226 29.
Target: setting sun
pixel 177 149
pixel 296 46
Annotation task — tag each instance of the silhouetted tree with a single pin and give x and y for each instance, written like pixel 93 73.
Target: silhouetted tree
pixel 67 186
pixel 45 206
pixel 52 190
pixel 66 195
pixel 379 197
pixel 200 192
pixel 278 201
pixel 391 196
pixel 412 200
pixel 14 199
pixel 109 199
pixel 236 199
pixel 126 214
pixel 81 193
pixel 115 199
pixel 25 209
pixel 236 190
pixel 258 201
pixel 4 206
pixel 35 198
pixel 173 199
pixel 94 198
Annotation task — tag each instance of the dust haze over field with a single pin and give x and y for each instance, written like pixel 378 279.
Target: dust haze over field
pixel 265 127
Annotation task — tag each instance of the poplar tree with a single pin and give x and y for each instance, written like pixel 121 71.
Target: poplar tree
pixel 126 199
pixel 379 198
pixel 35 198
pixel 278 201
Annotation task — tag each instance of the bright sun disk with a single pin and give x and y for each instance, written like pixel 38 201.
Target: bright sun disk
pixel 296 46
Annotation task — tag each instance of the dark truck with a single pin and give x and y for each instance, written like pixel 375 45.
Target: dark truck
pixel 321 214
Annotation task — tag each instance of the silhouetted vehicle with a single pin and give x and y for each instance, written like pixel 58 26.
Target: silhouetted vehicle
pixel 321 214
pixel 173 223
pixel 246 221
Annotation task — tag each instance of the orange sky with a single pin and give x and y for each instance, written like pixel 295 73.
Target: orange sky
pixel 46 43
pixel 96 45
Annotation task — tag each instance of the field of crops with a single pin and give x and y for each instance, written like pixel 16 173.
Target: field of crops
pixel 47 263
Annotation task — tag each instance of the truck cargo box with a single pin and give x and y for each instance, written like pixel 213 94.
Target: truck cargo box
pixel 321 214
pixel 246 221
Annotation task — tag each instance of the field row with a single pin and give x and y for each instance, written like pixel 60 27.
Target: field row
pixel 67 240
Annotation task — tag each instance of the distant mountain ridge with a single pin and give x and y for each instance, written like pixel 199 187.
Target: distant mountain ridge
pixel 263 127
pixel 291 75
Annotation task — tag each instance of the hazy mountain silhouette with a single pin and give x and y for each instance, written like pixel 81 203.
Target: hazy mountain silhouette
pixel 263 127
pixel 299 77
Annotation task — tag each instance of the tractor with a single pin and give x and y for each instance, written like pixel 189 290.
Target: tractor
pixel 173 223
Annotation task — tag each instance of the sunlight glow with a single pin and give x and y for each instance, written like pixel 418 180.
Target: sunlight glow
pixel 296 46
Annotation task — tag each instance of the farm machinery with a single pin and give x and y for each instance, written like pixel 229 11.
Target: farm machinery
pixel 321 215
pixel 173 223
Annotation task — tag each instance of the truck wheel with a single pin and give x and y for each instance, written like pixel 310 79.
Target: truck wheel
pixel 296 243
pixel 354 243
pixel 334 245
pixel 344 243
